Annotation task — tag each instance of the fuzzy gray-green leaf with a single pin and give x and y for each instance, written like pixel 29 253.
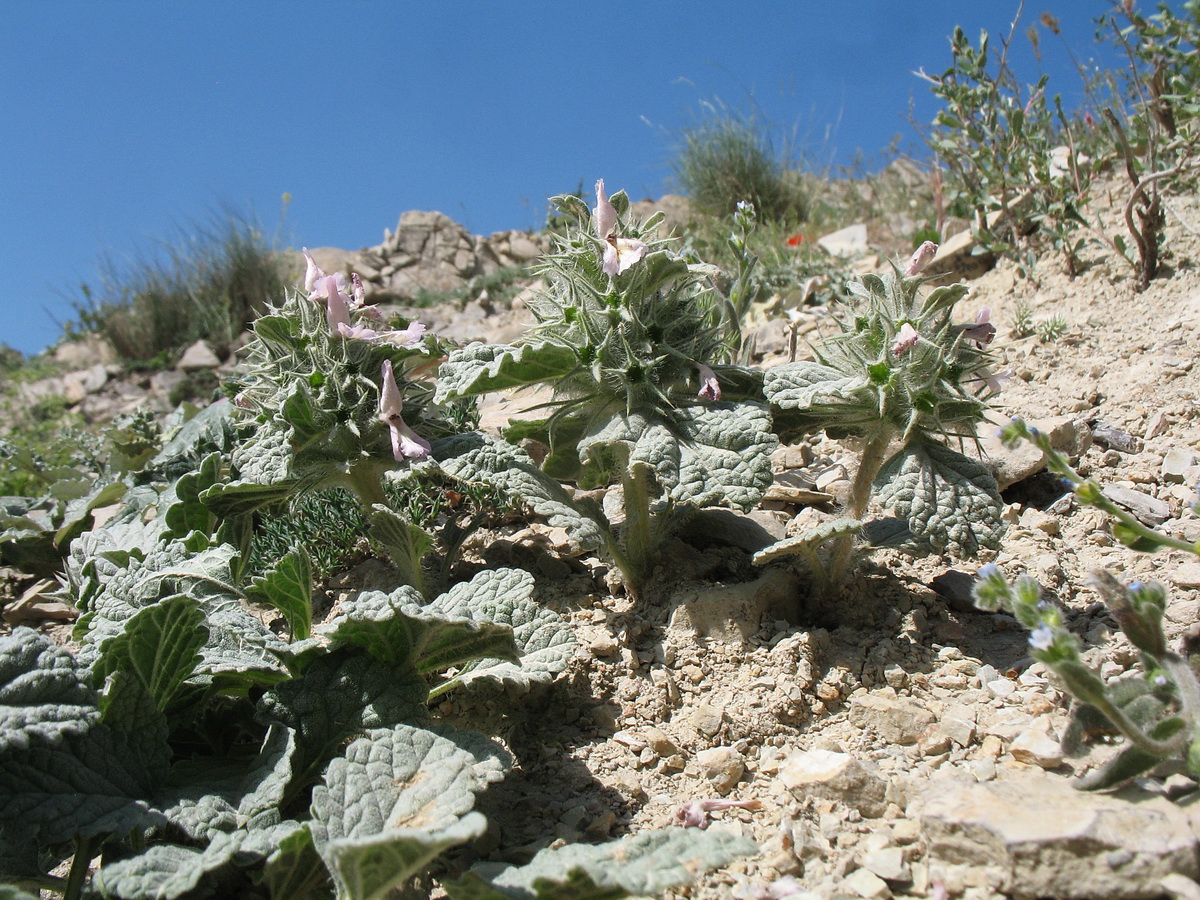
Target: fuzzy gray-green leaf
pixel 712 455
pixel 644 863
pixel 394 801
pixel 42 690
pixel 340 695
pixel 947 498
pixel 481 459
pixel 288 587
pixel 807 541
pixel 160 647
pixel 544 641
pixel 479 368
pixel 398 629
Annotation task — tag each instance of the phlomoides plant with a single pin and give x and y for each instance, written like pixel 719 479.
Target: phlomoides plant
pixel 332 396
pixel 1156 710
pixel 902 380
pixel 198 752
pixel 637 348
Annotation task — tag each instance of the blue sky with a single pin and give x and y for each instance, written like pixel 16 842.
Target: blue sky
pixel 124 121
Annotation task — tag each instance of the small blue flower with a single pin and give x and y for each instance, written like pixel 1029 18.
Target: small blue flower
pixel 989 570
pixel 1136 586
pixel 1041 638
pixel 1160 681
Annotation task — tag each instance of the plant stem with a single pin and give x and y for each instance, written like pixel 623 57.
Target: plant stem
pixel 874 454
pixel 84 850
pixel 640 549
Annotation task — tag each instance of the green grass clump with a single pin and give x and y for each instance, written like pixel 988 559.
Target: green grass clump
pixel 210 284
pixel 730 156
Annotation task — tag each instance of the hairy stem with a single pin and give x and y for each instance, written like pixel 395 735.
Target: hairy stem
pixel 873 457
pixel 638 534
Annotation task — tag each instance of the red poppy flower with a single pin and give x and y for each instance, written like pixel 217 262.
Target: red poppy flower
pixel 795 240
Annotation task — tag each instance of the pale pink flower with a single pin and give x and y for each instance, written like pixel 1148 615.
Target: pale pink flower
pixel 621 253
pixel 324 284
pixel 604 216
pixel 921 257
pixel 694 813
pixel 408 337
pixel 406 443
pixel 358 332
pixel 311 271
pixel 360 292
pixel 337 305
pixel 983 331
pixel 992 380
pixel 710 388
pixel 906 339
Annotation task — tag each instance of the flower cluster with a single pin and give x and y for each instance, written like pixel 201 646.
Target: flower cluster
pixel 330 290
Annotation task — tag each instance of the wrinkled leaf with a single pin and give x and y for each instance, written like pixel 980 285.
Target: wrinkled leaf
pixel 288 588
pixel 395 800
pixel 804 543
pixel 644 863
pixel 160 647
pixel 480 368
pixel 480 459
pixel 397 629
pixel 544 641
pixel 948 499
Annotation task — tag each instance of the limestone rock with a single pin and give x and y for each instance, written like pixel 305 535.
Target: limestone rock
pixel 85 351
pixel 1148 510
pixel 734 612
pixel 1068 435
pixel 77 385
pixel 198 356
pixel 722 766
pixel 1175 465
pixel 835 776
pixel 848 241
pixel 1038 745
pixel 1039 837
pixel 894 720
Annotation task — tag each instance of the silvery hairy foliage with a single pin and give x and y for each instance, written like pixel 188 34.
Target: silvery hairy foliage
pixel 907 384
pixel 637 348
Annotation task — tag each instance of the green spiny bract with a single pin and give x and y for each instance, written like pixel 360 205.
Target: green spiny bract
pixel 316 396
pixel 638 337
pixel 900 370
pixel 636 346
pixel 324 417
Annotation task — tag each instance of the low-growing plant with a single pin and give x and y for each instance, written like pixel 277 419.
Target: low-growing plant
pixel 900 372
pixel 638 349
pixel 731 156
pixel 1025 325
pixel 1156 710
pixel 1012 153
pixel 197 751
pixel 1158 135
pixel 333 403
pixel 210 284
